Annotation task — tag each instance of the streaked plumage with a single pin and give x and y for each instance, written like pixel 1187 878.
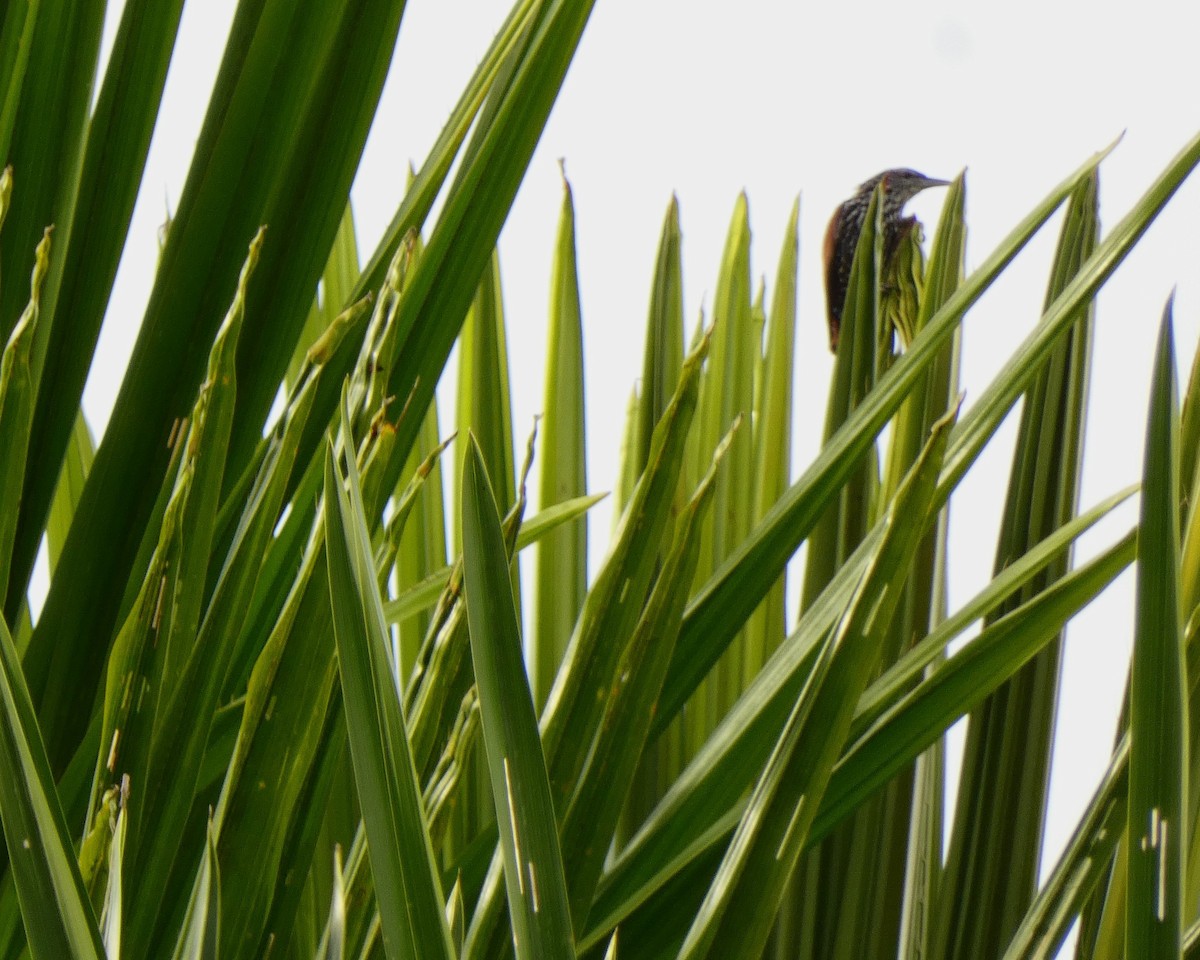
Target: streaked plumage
pixel 841 236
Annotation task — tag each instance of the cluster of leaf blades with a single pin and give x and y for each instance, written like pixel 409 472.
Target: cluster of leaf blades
pixel 288 695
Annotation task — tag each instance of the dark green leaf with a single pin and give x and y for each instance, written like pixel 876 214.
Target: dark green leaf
pixel 54 903
pixel 537 889
pixel 1157 830
pixel 407 884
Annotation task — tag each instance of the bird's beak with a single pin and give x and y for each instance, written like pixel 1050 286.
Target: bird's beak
pixel 931 182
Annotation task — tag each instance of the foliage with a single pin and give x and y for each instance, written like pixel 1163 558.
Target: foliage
pixel 276 702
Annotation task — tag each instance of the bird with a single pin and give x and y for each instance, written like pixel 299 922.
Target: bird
pixel 841 236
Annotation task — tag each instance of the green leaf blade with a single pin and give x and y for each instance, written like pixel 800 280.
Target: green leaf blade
pixel 1158 706
pixel 255 163
pixel 739 910
pixel 200 934
pixel 407 883
pixel 93 237
pixel 560 574
pixel 536 885
pixel 16 408
pixel 54 903
pixel 592 815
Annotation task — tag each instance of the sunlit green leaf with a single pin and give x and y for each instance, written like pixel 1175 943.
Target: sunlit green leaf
pixel 560 574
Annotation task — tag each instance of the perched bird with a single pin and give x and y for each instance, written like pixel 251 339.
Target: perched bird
pixel 841 236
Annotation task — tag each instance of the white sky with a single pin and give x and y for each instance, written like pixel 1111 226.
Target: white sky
pixel 706 99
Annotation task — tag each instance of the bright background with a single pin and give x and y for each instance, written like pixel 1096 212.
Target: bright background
pixel 707 99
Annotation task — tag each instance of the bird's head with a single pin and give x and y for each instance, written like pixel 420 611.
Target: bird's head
pixel 900 185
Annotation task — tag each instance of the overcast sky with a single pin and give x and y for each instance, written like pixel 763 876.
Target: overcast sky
pixel 707 99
